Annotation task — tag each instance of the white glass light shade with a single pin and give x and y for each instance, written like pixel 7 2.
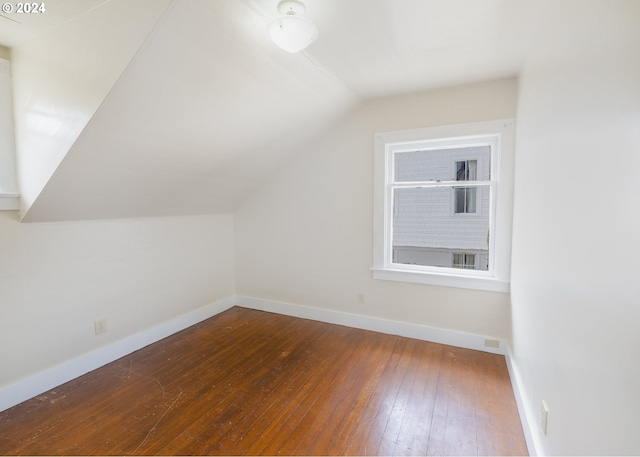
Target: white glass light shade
pixel 292 33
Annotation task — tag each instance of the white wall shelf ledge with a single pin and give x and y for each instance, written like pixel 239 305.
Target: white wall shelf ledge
pixel 446 280
pixel 9 202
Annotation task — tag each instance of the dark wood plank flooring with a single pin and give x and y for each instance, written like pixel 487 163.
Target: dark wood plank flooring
pixel 247 382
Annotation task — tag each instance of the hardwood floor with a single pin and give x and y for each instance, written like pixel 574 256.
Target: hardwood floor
pixel 247 382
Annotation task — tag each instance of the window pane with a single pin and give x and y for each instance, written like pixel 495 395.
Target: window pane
pixel 465 199
pixel 470 201
pixel 461 171
pixel 467 170
pixel 457 259
pixel 426 231
pixel 472 167
pixel 438 164
pixel 461 199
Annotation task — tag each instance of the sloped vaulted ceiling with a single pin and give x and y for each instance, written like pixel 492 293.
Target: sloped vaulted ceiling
pixel 207 108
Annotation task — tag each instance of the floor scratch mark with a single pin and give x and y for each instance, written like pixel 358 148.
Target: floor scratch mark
pixel 157 422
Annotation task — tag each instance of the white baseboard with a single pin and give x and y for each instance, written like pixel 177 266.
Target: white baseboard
pixel 71 369
pixel 417 331
pixel 48 379
pixel 527 418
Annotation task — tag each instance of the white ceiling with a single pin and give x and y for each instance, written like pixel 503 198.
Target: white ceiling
pixel 18 28
pixel 386 47
pixel 209 108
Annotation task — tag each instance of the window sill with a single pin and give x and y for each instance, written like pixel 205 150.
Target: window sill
pixel 447 280
pixel 9 202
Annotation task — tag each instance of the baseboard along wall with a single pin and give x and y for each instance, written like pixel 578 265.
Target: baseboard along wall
pixel 53 377
pixel 48 379
pixel 376 324
pixel 409 330
pixel 527 418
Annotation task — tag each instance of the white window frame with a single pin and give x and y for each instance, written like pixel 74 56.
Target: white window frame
pixel 8 181
pixel 501 135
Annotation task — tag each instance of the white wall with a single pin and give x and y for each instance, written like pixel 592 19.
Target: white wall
pixel 306 237
pixel 576 240
pixel 57 278
pixel 59 81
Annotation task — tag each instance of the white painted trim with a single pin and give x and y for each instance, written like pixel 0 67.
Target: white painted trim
pixel 376 324
pixel 9 202
pixel 501 131
pixel 48 379
pixel 527 418
pixel 442 279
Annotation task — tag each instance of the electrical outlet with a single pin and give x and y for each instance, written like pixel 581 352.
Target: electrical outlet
pixel 360 297
pixel 544 417
pixel 100 326
pixel 489 343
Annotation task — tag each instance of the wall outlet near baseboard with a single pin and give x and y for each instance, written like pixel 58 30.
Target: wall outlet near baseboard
pixel 360 297
pixel 100 326
pixel 490 343
pixel 544 417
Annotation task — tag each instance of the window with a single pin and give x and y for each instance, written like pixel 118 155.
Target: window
pixel 464 260
pixel 465 200
pixel 465 197
pixel 439 215
pixel 8 181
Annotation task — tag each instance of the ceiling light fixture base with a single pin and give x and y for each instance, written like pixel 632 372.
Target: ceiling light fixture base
pixel 291 7
pixel 291 31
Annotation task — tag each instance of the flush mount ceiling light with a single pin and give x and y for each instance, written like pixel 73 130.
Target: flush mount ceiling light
pixel 291 31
